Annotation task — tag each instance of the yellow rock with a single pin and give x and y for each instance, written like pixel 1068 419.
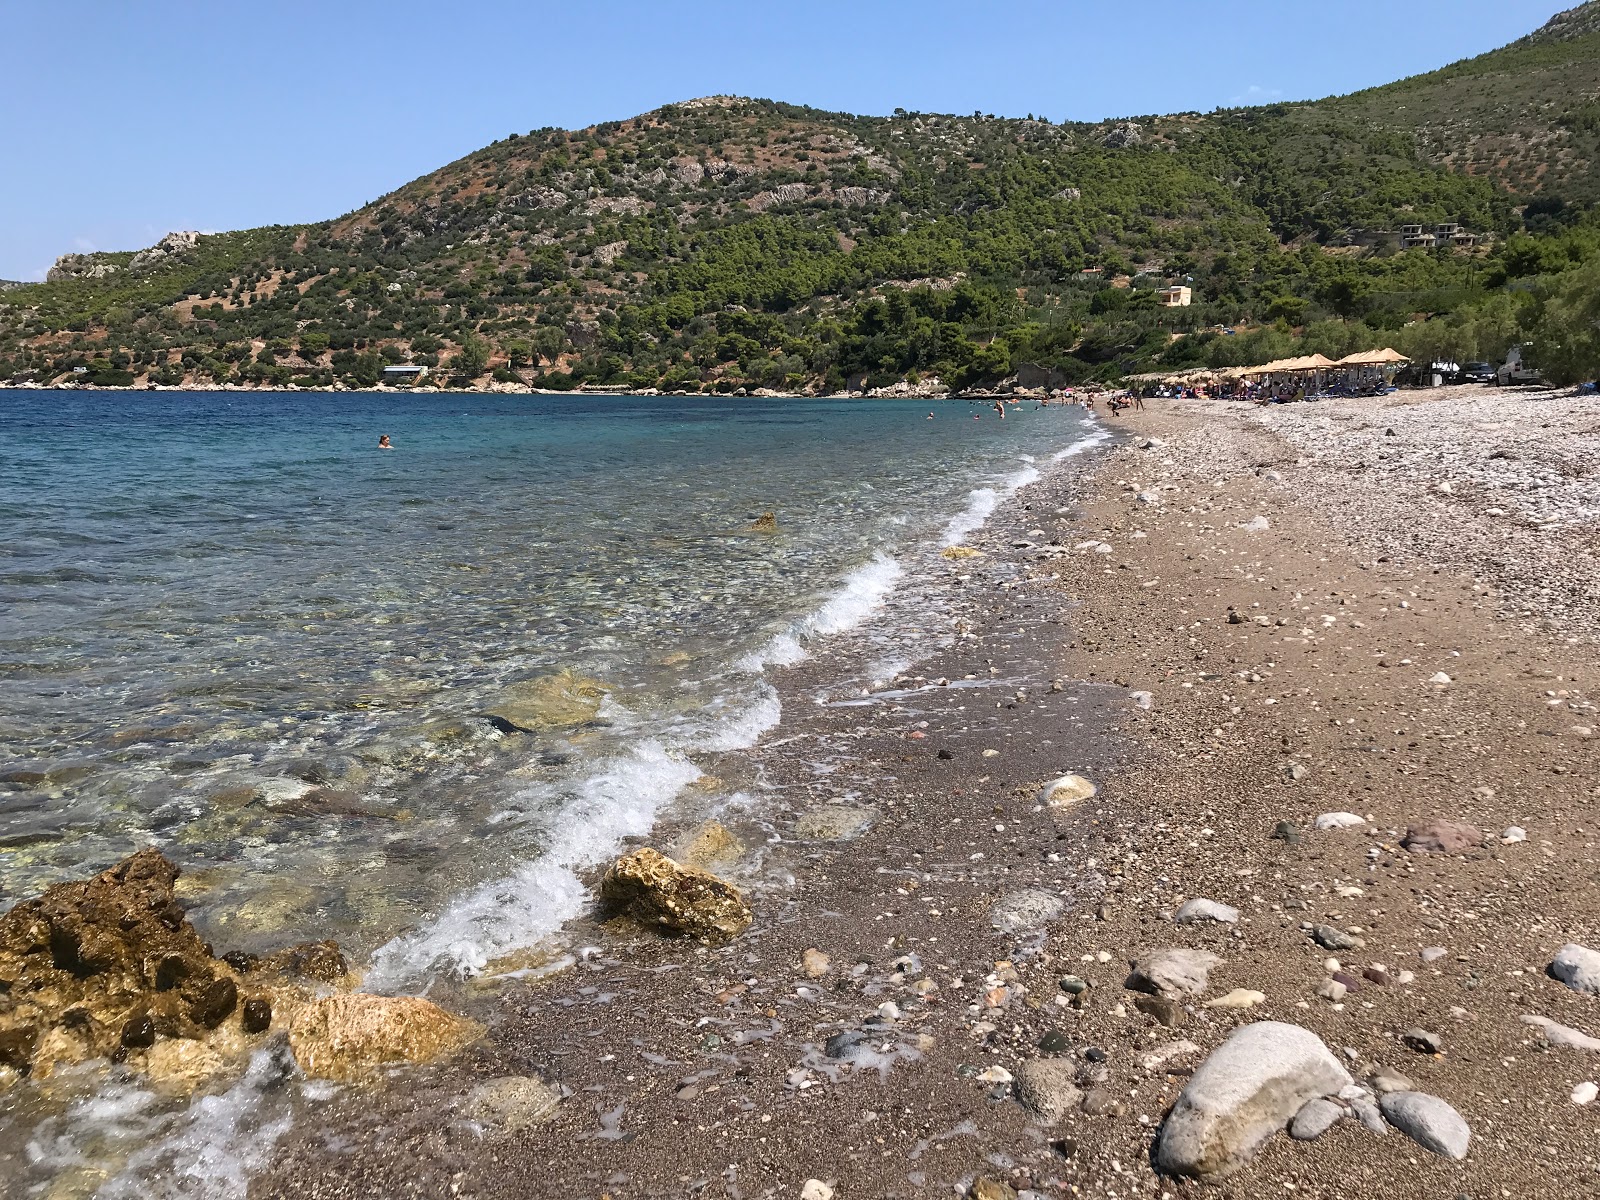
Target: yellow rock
pixel 1067 791
pixel 709 845
pixel 765 523
pixel 559 701
pixel 654 889
pixel 1238 998
pixel 349 1037
pixel 955 553
pixel 815 963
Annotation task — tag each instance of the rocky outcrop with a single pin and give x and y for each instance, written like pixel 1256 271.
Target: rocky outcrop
pixel 176 243
pixel 110 967
pixel 559 701
pixel 350 1037
pixel 659 892
pixel 80 266
pixel 1251 1087
pixel 784 193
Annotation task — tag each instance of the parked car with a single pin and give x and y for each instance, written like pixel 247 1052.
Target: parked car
pixel 1480 373
pixel 1518 369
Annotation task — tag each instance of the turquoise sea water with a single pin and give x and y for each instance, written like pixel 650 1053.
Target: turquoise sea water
pixel 231 627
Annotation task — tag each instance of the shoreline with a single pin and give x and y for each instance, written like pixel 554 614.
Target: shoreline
pixel 691 1070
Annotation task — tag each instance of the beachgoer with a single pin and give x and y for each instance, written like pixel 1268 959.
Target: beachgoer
pixel 930 416
pixel 1138 402
pixel 384 443
pixel 1000 407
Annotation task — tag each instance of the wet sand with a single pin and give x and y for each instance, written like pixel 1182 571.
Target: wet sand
pixel 951 919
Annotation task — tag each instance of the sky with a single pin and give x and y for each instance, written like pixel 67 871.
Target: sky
pixel 125 119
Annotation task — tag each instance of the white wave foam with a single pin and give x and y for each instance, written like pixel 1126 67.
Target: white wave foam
pixel 859 594
pixel 743 730
pixel 512 913
pixel 1098 438
pixel 981 503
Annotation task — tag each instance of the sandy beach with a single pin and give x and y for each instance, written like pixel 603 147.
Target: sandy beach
pixel 1316 626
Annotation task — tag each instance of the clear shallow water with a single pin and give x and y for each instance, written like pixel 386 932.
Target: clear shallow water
pixel 231 627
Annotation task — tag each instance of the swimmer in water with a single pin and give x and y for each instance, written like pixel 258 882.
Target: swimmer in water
pixel 383 443
pixel 999 407
pixel 930 416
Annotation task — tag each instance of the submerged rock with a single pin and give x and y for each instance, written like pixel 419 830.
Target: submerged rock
pixel 708 846
pixel 1251 1087
pixel 1067 791
pixel 513 1103
pixel 349 1037
pixel 652 888
pixel 558 701
pixel 832 823
pixel 1047 1088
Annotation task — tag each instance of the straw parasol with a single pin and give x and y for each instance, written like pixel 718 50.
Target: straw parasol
pixel 1373 358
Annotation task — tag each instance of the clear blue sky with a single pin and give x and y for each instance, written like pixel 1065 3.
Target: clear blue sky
pixel 124 119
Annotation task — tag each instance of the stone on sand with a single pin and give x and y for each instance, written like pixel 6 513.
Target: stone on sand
pixel 1047 1088
pixel 350 1036
pixel 1339 820
pixel 1578 967
pixel 513 1103
pixel 1206 910
pixel 1173 973
pixel 1067 791
pixel 815 1189
pixel 832 823
pixel 1562 1037
pixel 1428 1121
pixel 1026 911
pixel 653 889
pixel 1442 837
pixel 1238 998
pixel 815 963
pixel 1250 1087
pixel 1315 1119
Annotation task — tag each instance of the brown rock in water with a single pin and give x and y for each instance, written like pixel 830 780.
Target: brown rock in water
pixel 559 701
pixel 766 523
pixel 108 965
pixel 652 888
pixel 709 845
pixel 1442 837
pixel 349 1037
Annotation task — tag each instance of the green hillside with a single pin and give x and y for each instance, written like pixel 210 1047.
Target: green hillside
pixel 730 243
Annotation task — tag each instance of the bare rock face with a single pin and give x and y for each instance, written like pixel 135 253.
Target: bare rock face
pixel 1251 1087
pixel 174 244
pixel 560 701
pixel 111 967
pixel 653 889
pixel 349 1037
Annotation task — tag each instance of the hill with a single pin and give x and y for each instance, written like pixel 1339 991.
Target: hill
pixel 729 243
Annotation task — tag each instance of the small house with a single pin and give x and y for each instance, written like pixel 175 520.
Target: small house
pixel 403 373
pixel 1177 296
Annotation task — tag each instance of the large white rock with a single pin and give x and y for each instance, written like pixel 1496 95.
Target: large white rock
pixel 1251 1087
pixel 1578 967
pixel 1428 1121
pixel 1339 820
pixel 1562 1037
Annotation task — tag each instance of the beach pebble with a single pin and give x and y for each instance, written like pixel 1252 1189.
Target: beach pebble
pixel 1386 1079
pixel 1315 1119
pixel 1165 1053
pixel 1027 911
pixel 1047 1088
pixel 1440 678
pixel 1149 498
pixel 1331 937
pixel 1257 524
pixel 995 1074
pixel 1339 820
pixel 1562 1037
pixel 1206 910
pixel 1238 998
pixel 1143 700
pixel 992 1189
pixel 1166 1012
pixel 1332 991
pixel 815 963
pixel 1585 1093
pixel 1430 954
pixel 1428 1121
pixel 513 1103
pixel 1513 834
pixel 1442 837
pixel 1250 1087
pixel 1294 772
pixel 1423 1041
pixel 815 1189
pixel 1067 791
pixel 1578 967
pixel 832 823
pixel 1173 973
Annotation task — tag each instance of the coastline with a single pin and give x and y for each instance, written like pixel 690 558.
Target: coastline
pixel 701 1071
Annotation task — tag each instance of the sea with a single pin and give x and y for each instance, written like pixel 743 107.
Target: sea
pixel 233 628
